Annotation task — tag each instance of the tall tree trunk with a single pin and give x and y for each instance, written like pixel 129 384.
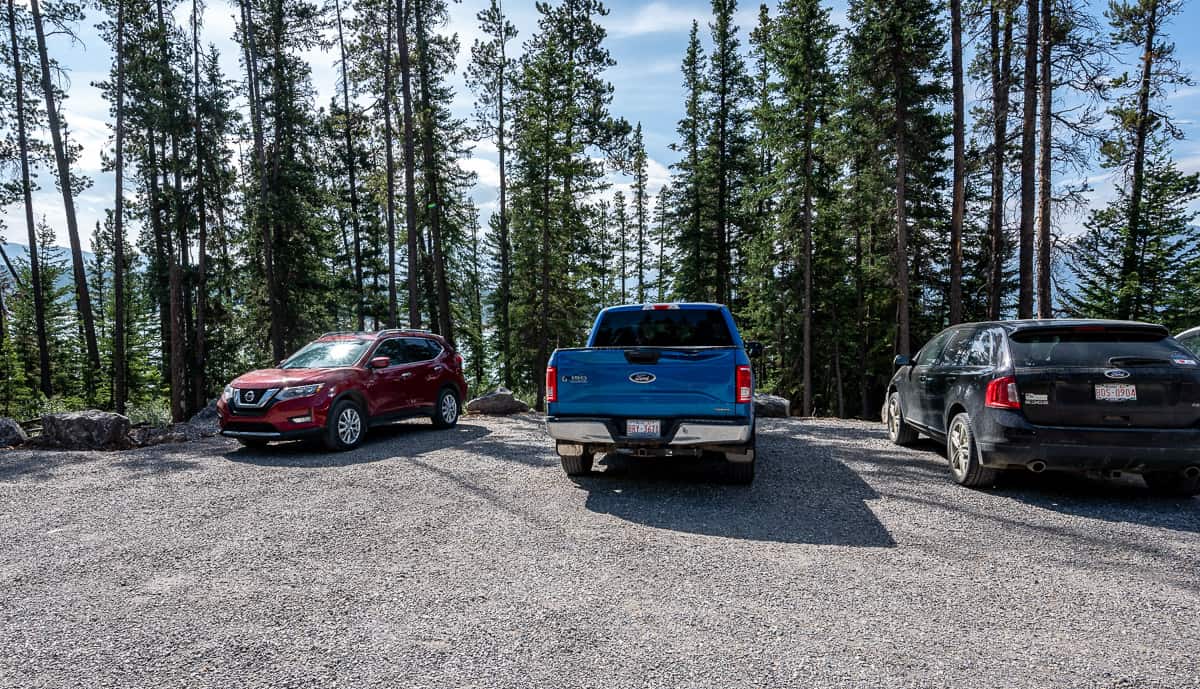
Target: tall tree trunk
pixel 250 46
pixel 1001 57
pixel 350 168
pixel 503 318
pixel 1028 160
pixel 199 386
pixel 410 192
pixel 1045 305
pixel 902 308
pixel 175 363
pixel 432 185
pixel 119 363
pixel 35 275
pixel 960 165
pixel 1129 256
pixel 390 169
pixel 83 302
pixel 806 220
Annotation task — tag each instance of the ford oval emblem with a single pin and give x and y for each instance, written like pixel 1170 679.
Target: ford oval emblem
pixel 642 377
pixel 1117 373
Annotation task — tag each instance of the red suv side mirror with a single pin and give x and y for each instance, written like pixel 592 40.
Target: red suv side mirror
pixel 380 362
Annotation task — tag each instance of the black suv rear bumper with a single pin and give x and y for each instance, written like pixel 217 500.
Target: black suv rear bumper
pixel 1008 440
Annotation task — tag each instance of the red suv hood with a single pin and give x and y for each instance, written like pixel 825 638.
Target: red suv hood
pixel 282 378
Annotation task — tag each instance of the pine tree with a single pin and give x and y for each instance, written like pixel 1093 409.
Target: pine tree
pixel 1140 24
pixel 641 209
pixel 695 272
pixel 726 153
pixel 490 76
pixel 1166 244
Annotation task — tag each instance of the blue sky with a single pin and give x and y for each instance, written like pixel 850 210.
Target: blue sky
pixel 646 39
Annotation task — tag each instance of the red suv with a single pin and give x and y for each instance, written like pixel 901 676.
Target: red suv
pixel 343 383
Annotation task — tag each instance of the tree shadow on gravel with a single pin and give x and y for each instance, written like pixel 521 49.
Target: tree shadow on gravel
pixel 37 463
pixel 1124 499
pixel 408 439
pixel 796 497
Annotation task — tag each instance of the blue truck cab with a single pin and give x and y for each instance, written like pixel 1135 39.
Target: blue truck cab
pixel 655 380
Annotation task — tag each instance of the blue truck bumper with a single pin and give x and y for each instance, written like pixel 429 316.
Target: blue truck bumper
pixel 680 433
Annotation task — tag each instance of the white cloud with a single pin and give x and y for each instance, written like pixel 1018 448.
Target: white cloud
pixel 656 17
pixel 487 171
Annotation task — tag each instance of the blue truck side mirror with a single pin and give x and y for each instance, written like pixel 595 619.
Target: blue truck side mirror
pixel 754 349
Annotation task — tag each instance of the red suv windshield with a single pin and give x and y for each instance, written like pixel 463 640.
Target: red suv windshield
pixel 328 354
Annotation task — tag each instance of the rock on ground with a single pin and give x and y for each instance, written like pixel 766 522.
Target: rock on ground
pixel 11 434
pixel 772 406
pixel 499 403
pixel 85 430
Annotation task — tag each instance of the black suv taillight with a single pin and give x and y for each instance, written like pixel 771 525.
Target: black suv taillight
pixel 1002 394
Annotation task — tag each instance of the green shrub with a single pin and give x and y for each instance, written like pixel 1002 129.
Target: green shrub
pixel 155 412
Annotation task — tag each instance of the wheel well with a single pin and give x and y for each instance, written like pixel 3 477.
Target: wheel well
pixel 954 410
pixel 453 390
pixel 356 397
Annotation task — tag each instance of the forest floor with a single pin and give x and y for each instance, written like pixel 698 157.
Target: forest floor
pixel 465 558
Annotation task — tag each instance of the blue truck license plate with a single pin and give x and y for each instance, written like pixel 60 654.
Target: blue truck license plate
pixel 643 428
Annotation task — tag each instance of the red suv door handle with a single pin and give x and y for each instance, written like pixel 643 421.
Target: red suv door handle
pixel 406 374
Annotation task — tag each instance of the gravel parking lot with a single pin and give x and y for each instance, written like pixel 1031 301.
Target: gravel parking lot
pixel 465 558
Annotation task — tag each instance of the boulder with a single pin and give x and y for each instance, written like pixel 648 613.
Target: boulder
pixel 205 422
pixel 144 436
pixel 86 430
pixel 498 403
pixel 771 406
pixel 11 433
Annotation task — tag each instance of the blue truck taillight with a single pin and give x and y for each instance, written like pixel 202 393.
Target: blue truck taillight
pixel 745 385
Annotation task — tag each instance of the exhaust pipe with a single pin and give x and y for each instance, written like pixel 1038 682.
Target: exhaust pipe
pixel 1037 466
pixel 1191 473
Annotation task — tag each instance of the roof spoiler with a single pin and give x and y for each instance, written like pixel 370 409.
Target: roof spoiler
pixel 1112 327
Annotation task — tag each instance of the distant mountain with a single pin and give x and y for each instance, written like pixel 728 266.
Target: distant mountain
pixel 19 252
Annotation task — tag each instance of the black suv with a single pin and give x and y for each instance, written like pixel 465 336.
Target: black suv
pixel 1072 395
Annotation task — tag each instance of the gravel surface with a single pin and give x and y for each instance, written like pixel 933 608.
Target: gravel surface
pixel 465 558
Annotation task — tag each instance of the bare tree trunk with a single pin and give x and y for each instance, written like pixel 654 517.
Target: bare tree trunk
pixel 199 392
pixel 410 192
pixel 390 168
pixel 432 184
pixel 1001 56
pixel 118 357
pixel 806 220
pixel 1045 305
pixel 960 165
pixel 902 309
pixel 1129 257
pixel 39 304
pixel 82 300
pixel 504 324
pixel 350 169
pixel 1028 159
pixel 250 46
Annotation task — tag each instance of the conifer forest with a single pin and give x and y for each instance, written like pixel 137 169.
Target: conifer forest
pixel 849 184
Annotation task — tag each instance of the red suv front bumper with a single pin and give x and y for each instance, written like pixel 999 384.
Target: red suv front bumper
pixel 286 420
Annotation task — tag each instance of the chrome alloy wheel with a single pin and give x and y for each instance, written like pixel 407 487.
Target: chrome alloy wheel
pixel 449 409
pixel 893 419
pixel 960 447
pixel 349 425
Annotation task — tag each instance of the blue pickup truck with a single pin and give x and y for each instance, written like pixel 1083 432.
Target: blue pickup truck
pixel 655 380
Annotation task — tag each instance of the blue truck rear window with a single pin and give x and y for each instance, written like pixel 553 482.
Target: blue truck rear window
pixel 663 328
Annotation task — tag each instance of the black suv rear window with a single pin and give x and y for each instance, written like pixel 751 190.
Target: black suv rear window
pixel 1094 349
pixel 663 328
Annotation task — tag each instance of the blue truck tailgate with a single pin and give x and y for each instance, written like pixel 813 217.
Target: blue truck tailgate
pixel 693 382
